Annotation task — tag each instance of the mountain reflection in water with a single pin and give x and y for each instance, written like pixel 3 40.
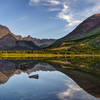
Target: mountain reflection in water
pixel 56 81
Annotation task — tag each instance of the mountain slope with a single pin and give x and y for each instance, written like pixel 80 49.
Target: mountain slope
pixel 89 27
pixel 9 42
pixel 40 42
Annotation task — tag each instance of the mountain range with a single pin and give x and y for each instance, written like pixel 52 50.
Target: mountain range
pixel 88 32
pixel 10 41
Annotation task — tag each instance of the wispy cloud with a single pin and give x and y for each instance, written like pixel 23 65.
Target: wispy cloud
pixel 54 9
pixel 53 2
pixel 31 2
pixel 67 16
pixel 72 92
pixel 68 11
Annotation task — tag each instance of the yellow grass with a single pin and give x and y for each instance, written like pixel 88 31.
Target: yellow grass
pixel 60 61
pixel 46 55
pixel 61 48
pixel 29 55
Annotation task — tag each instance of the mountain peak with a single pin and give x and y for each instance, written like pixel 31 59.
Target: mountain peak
pixel 97 15
pixel 4 31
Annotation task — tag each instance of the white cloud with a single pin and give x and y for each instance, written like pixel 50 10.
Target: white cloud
pixel 69 94
pixel 74 92
pixel 95 9
pixel 32 2
pixel 54 9
pixel 75 22
pixel 67 16
pixel 63 14
pixel 52 2
pixel 68 12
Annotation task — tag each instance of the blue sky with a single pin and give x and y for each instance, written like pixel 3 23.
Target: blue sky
pixel 45 18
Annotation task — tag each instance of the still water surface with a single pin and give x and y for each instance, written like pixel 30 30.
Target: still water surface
pixel 52 83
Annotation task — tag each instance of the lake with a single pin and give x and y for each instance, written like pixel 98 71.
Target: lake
pixel 51 79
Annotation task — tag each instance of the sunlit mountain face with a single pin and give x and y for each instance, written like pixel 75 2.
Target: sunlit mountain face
pixel 46 18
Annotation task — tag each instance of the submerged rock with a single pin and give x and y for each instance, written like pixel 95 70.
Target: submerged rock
pixel 34 76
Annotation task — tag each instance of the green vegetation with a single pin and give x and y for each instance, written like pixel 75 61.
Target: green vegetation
pixel 85 64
